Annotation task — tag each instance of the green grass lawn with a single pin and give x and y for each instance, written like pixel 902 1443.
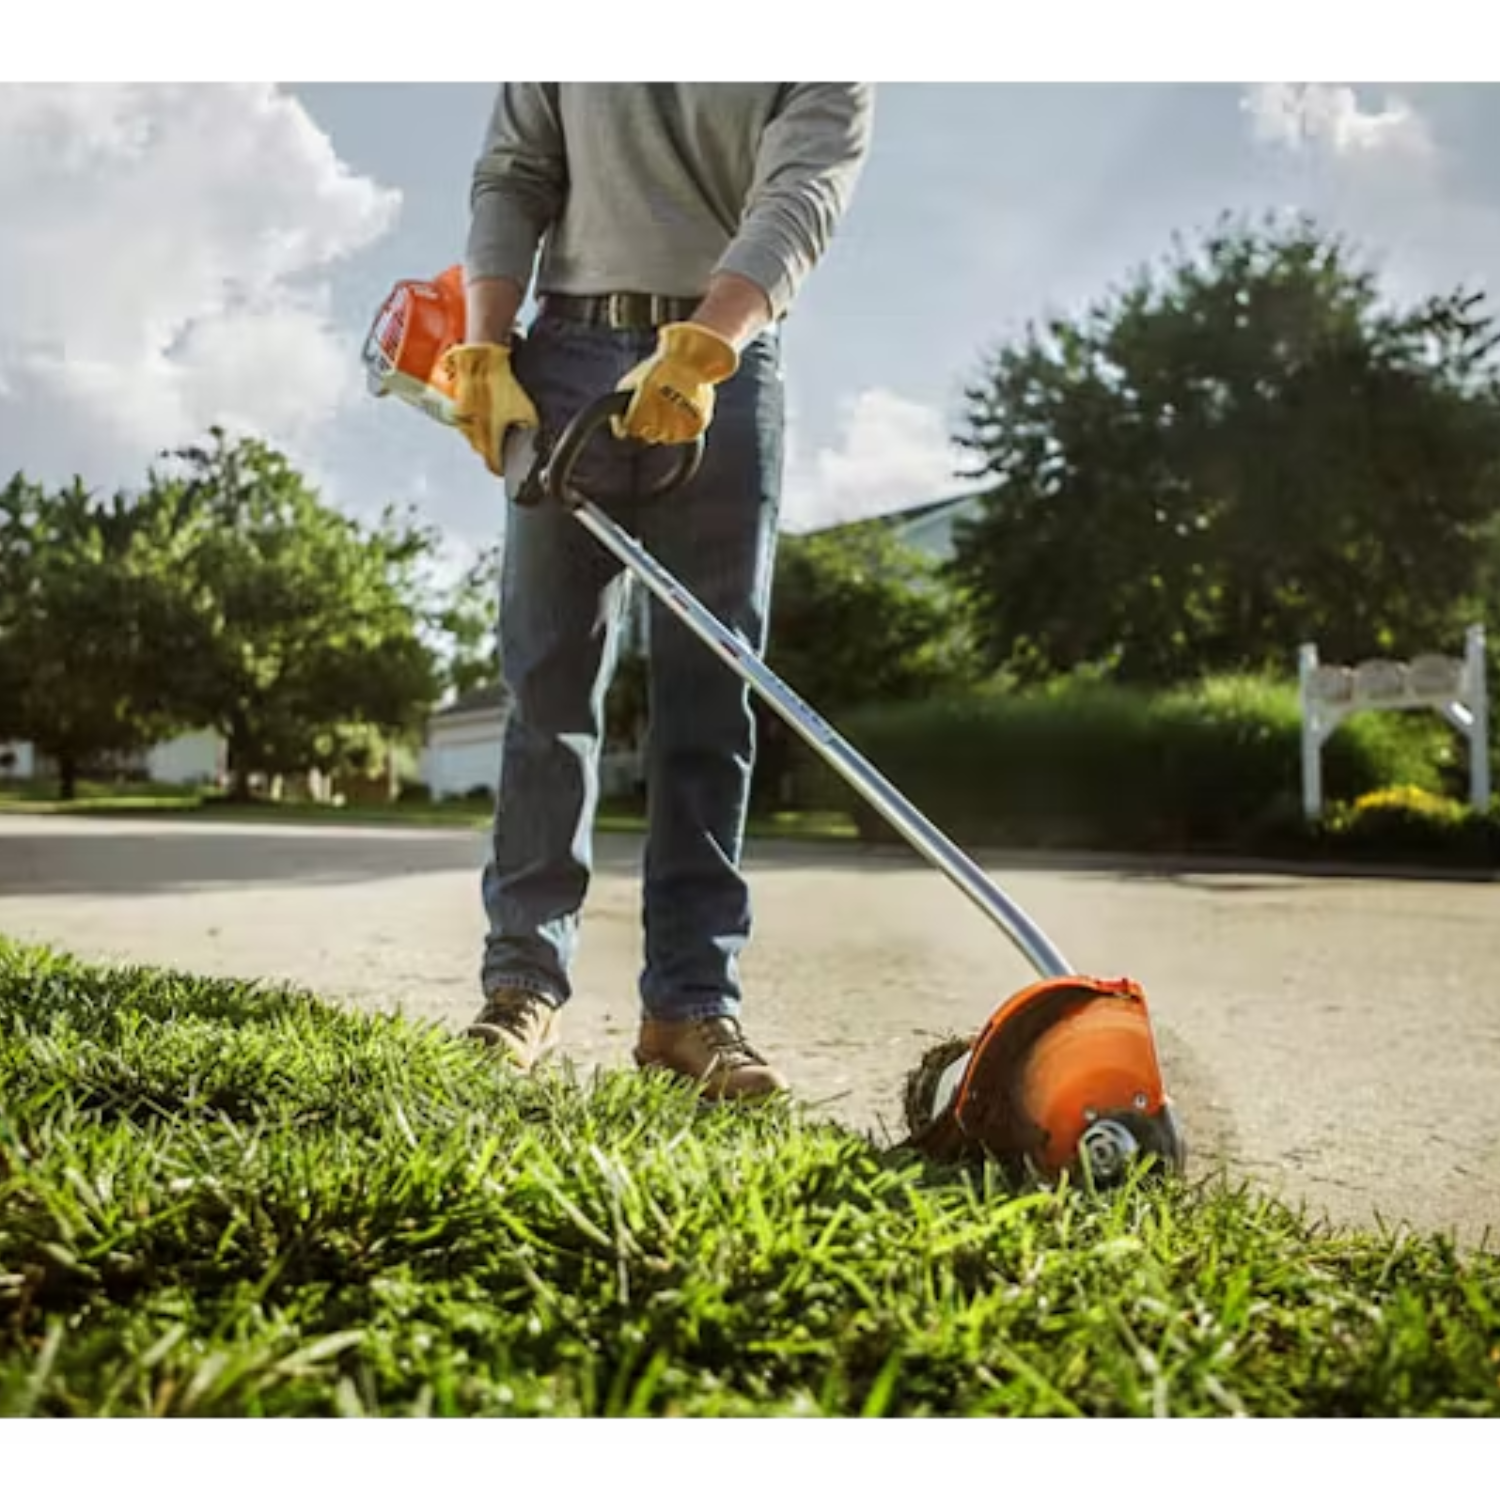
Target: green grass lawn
pixel 219 1199
pixel 42 796
pixel 97 799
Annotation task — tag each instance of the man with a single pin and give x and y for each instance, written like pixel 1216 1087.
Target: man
pixel 677 224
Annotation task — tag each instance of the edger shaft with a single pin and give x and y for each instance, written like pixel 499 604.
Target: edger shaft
pixel 549 476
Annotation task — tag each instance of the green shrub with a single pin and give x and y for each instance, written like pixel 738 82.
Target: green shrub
pixel 1087 764
pixel 1409 822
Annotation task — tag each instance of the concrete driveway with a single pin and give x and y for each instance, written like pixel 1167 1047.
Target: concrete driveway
pixel 1334 1039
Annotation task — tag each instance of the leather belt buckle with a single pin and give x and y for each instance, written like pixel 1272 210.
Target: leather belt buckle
pixel 623 310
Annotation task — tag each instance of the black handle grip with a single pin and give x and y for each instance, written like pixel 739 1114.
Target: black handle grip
pixel 558 475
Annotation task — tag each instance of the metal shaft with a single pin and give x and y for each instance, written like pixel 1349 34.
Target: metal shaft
pixel 927 839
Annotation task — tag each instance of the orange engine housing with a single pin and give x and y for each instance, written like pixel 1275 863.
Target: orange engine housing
pixel 416 326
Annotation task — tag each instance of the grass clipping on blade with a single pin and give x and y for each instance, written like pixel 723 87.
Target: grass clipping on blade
pixel 218 1199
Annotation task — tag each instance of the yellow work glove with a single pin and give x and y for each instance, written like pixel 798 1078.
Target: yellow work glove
pixel 487 398
pixel 673 399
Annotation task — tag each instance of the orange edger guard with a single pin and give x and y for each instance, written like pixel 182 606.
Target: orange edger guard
pixel 1064 1074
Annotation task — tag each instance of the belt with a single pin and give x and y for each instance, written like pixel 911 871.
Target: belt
pixel 620 309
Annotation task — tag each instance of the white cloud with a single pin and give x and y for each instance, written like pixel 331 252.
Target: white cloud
pixel 1421 208
pixel 1330 118
pixel 891 453
pixel 159 271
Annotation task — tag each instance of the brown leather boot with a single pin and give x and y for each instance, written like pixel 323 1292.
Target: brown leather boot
pixel 714 1052
pixel 518 1022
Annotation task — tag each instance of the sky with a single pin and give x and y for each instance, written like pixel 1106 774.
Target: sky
pixel 173 255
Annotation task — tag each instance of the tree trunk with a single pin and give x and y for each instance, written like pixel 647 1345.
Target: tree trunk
pixel 67 777
pixel 239 768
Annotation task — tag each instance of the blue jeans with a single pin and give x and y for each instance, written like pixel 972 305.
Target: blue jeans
pixel 562 600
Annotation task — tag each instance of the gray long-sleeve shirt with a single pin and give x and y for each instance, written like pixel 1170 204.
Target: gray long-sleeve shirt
pixel 654 187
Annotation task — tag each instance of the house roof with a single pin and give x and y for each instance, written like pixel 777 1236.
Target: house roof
pixel 480 700
pixel 910 515
pixel 931 508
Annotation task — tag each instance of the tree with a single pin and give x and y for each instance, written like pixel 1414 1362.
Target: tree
pixel 859 617
pixel 1242 451
pixel 467 621
pixel 299 633
pixel 16 504
pixel 84 602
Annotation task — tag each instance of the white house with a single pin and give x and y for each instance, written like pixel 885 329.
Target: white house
pixel 462 750
pixel 17 760
pixel 196 759
pixel 463 743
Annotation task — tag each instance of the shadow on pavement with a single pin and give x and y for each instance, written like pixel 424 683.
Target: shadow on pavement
pixel 142 859
pixel 1228 873
pixel 68 857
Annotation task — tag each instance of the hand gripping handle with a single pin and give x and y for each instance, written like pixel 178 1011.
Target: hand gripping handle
pixel 552 477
